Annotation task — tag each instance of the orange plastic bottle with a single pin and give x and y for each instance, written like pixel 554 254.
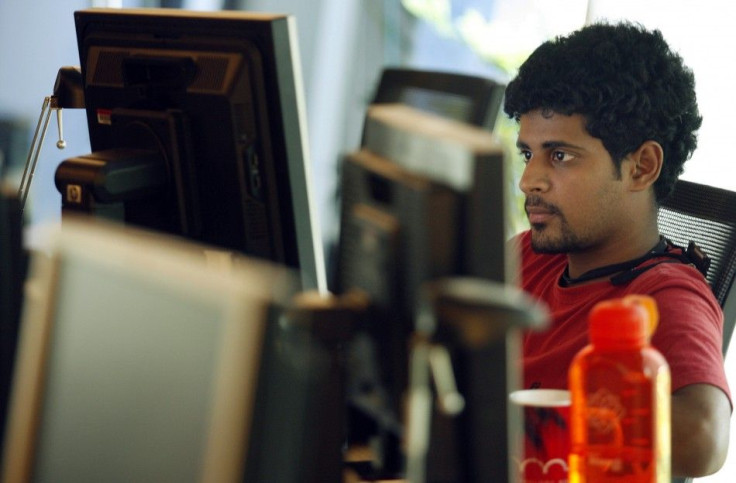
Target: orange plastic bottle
pixel 620 390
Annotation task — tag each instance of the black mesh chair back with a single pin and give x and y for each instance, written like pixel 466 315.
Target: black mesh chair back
pixel 707 215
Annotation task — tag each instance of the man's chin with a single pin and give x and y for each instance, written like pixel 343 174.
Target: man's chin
pixel 542 242
pixel 547 249
pixel 550 244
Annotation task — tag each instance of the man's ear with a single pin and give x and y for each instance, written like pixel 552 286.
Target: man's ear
pixel 645 166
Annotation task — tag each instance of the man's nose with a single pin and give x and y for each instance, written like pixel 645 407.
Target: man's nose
pixel 534 178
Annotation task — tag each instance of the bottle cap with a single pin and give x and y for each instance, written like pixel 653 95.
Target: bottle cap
pixel 623 322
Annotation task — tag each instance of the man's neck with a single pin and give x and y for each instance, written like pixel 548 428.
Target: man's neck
pixel 629 247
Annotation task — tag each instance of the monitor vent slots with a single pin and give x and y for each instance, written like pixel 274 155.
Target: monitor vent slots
pixel 211 73
pixel 109 68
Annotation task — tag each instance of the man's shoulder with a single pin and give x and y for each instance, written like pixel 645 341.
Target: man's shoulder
pixel 674 273
pixel 679 286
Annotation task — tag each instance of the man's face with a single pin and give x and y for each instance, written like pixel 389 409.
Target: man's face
pixel 574 195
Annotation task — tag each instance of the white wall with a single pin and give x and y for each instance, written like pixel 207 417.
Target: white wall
pixel 36 39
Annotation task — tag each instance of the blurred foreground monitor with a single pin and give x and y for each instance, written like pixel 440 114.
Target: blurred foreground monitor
pixel 145 358
pixel 424 198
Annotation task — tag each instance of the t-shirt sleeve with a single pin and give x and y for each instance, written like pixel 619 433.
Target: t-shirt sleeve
pixel 690 329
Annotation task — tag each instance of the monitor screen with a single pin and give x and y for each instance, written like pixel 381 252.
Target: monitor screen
pixel 196 123
pixel 139 360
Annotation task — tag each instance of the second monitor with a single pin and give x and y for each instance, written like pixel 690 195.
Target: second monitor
pixel 423 199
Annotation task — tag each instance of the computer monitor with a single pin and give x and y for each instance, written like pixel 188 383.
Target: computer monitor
pixel 423 199
pixel 197 128
pixel 142 359
pixel 13 261
pixel 464 98
pixel 464 168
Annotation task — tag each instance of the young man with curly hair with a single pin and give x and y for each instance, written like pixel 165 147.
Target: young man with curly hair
pixel 607 117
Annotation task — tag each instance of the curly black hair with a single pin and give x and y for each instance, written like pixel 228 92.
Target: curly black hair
pixel 628 84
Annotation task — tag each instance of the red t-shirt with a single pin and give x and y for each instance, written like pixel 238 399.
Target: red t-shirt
pixel 689 332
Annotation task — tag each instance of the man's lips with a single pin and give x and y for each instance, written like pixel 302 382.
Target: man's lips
pixel 539 215
pixel 539 212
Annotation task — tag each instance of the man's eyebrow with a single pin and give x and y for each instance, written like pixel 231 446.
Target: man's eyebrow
pixel 550 145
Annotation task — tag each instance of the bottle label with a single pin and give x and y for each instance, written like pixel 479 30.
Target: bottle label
pixel 605 413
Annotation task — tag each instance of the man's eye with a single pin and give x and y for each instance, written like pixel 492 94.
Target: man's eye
pixel 561 156
pixel 526 156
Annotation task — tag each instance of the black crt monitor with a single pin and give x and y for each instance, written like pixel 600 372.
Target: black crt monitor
pixel 197 128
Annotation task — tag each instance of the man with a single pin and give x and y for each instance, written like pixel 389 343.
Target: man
pixel 607 117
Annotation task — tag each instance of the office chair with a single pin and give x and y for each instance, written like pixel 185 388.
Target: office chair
pixel 468 98
pixel 706 215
